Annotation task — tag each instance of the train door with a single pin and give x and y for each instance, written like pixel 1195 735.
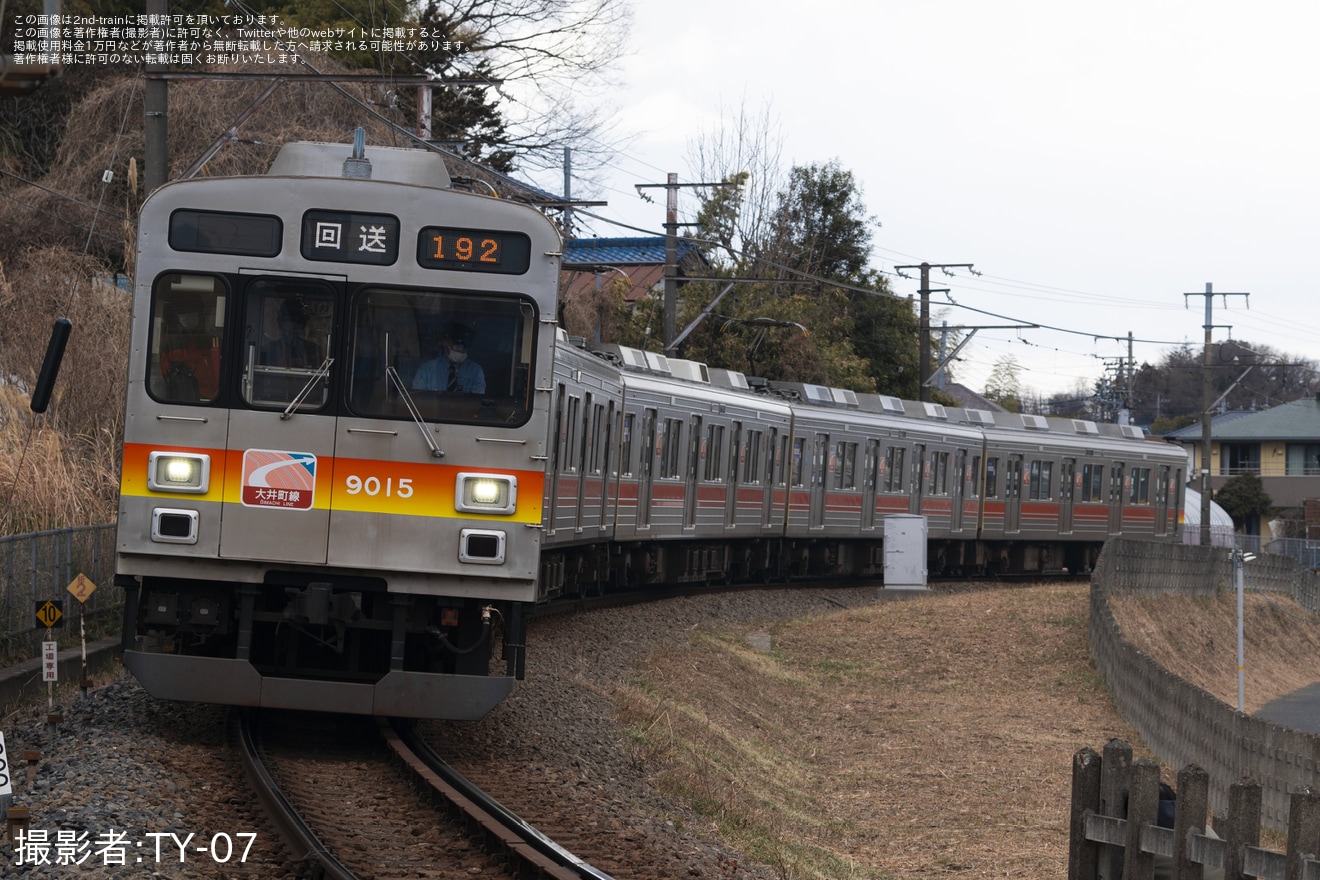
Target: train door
pixel 820 461
pixel 556 456
pixel 279 507
pixel 608 469
pixel 959 480
pixel 646 467
pixel 772 456
pixel 917 485
pixel 568 471
pixel 1067 472
pixel 1013 495
pixel 731 481
pixel 582 457
pixel 1162 501
pixel 870 476
pixel 1116 498
pixel 696 451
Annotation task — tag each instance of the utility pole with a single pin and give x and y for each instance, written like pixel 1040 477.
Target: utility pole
pixel 568 197
pixel 156 104
pixel 670 328
pixel 1207 404
pixel 924 340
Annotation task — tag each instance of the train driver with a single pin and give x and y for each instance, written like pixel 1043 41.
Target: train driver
pixel 452 370
pixel 291 348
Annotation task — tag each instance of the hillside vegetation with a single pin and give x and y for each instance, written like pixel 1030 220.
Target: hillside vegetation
pixel 70 237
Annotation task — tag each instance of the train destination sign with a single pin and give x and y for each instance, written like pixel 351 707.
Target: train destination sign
pixel 226 232
pixel 347 237
pixel 473 250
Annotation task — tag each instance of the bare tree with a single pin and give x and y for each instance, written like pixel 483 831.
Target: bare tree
pixel 745 149
pixel 550 61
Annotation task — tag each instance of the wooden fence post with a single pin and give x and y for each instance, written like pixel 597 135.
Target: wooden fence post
pixel 1193 798
pixel 1115 763
pixel 1243 825
pixel 1083 854
pixel 1303 830
pixel 1143 809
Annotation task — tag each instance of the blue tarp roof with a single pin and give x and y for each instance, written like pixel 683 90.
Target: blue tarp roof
pixel 640 251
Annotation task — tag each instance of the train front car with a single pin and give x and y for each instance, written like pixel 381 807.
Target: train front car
pixel 334 448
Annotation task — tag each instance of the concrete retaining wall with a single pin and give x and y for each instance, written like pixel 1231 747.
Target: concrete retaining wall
pixel 1181 723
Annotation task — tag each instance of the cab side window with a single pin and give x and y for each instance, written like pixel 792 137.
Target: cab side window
pixel 187 337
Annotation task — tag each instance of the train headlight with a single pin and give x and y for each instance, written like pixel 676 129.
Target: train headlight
pixel 486 493
pixel 179 472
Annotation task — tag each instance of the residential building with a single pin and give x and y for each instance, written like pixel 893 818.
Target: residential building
pixel 1280 444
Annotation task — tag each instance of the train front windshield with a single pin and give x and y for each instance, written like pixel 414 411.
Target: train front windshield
pixel 454 356
pixel 381 352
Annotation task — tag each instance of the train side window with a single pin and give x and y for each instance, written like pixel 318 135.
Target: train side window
pixel 778 454
pixel 187 337
pixel 1041 478
pixel 1140 491
pixel 991 473
pixel 561 394
pixel 714 452
pixel 798 447
pixel 976 476
pixel 671 462
pixel 895 457
pixel 751 472
pixel 571 462
pixel 939 473
pixel 1092 483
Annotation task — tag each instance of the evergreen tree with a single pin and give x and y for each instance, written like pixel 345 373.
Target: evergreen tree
pixel 1244 498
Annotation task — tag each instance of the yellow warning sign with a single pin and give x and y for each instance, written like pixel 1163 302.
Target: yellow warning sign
pixel 82 587
pixel 50 613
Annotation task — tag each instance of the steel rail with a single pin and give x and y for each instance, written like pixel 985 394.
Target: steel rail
pixel 297 835
pixel 530 852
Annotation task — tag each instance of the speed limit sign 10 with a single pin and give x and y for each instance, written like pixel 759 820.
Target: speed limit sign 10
pixel 5 787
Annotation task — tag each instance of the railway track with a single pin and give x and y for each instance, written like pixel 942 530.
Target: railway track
pixel 350 807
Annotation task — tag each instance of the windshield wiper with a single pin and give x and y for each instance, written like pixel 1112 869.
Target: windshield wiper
pixel 320 373
pixel 393 376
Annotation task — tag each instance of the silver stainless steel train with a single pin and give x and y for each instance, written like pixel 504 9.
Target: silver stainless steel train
pixel 358 448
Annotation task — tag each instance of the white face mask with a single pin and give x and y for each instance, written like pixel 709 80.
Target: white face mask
pixel 456 356
pixel 189 322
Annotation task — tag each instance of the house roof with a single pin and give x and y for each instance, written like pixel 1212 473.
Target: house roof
pixel 640 260
pixel 648 251
pixel 969 399
pixel 1298 420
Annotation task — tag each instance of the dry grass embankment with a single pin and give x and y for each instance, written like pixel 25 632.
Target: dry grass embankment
pixel 926 737
pixel 903 740
pixel 1196 639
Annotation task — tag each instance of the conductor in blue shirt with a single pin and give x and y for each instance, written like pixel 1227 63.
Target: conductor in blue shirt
pixel 452 370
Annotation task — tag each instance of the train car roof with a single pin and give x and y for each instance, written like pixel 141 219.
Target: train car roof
pixel 396 164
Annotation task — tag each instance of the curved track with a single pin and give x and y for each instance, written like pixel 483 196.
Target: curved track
pixel 324 779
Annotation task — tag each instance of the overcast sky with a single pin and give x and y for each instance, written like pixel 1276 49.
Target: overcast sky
pixel 1094 161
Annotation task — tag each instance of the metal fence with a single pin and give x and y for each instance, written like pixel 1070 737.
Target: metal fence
pixel 39 567
pixel 1307 553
